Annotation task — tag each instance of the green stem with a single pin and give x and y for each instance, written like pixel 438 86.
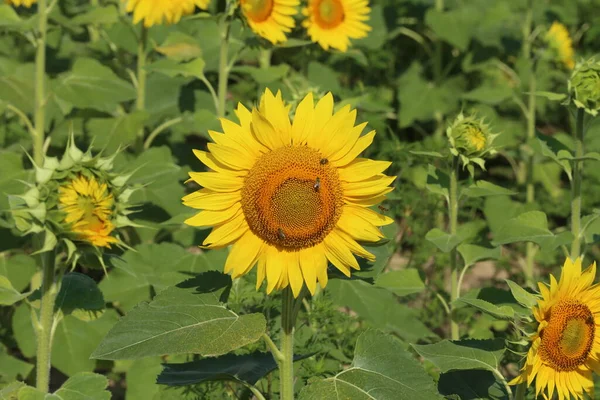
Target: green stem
pixel 531 118
pixel 286 368
pixel 159 129
pixel 40 85
pixel 437 68
pixel 576 186
pixel 521 390
pixel 223 67
pixel 49 291
pixel 453 215
pixel 264 59
pixel 277 355
pixel 140 104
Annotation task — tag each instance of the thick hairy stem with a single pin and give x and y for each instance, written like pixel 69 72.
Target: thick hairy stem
pixel 223 67
pixel 49 291
pixel 453 216
pixel 140 104
pixel 286 367
pixel 40 85
pixel 576 186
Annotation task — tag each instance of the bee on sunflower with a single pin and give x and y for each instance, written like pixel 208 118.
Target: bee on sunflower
pixel 273 198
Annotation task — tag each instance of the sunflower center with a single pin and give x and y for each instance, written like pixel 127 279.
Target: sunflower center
pixel 257 10
pixel 292 197
pixel 476 138
pixel 328 13
pixel 569 335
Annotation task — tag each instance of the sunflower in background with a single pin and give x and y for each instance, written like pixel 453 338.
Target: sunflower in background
pixel 156 12
pixel 559 41
pixel 18 3
pixel 566 347
pixel 332 23
pixel 271 19
pixel 290 196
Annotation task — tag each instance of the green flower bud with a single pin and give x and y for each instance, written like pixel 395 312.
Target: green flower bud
pixel 584 86
pixel 471 140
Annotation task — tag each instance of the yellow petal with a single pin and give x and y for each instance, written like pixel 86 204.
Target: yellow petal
pixel 218 182
pixel 303 120
pixel 244 254
pixel 361 169
pixel 210 218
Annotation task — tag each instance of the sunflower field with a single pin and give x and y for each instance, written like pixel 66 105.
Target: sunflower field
pixel 299 199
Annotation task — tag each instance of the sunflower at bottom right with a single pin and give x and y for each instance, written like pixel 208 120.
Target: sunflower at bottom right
pixel 565 350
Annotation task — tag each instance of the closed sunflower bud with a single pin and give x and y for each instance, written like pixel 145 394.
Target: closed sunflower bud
pixel 76 202
pixel 584 86
pixel 471 140
pixel 560 44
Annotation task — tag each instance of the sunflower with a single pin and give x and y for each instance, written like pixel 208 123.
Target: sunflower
pixel 271 19
pixel 290 196
pixel 18 3
pixel 88 207
pixel 561 44
pixel 153 12
pixel 332 23
pixel 566 347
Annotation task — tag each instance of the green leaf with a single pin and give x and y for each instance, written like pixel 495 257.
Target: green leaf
pixel 264 76
pixel 463 354
pixel 438 182
pixel 427 153
pixel 472 385
pixel 10 391
pixel 8 294
pixel 381 370
pixel 93 85
pixel 97 15
pixel 378 307
pixel 79 295
pixel 402 282
pixel 110 134
pixel 11 165
pixel 173 68
pixel 455 27
pixel 12 368
pixel 141 378
pixel 181 47
pixel 551 95
pixel 484 188
pixel 83 386
pixel 188 318
pixel 531 226
pixel 19 269
pixel 229 367
pixel 555 150
pixel 498 312
pixel 8 16
pixel 521 295
pixel 489 94
pixel 471 253
pixel 23 330
pixel 442 240
pixel 323 76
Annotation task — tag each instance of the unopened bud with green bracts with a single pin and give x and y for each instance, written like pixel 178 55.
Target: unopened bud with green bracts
pixel 584 86
pixel 471 140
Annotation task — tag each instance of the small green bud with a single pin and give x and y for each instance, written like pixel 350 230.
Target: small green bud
pixel 471 140
pixel 584 86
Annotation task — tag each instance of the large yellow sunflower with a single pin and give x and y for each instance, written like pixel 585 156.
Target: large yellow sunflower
pixel 271 19
pixel 290 196
pixel 154 12
pixel 332 23
pixel 24 3
pixel 560 42
pixel 88 206
pixel 566 348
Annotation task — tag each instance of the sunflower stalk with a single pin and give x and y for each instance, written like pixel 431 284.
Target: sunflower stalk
pixel 40 88
pixel 140 104
pixel 223 66
pixel 453 216
pixel 288 323
pixel 44 332
pixel 576 186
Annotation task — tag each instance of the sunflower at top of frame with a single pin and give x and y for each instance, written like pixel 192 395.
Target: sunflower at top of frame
pixel 332 23
pixel 290 196
pixel 157 12
pixel 18 3
pixel 271 19
pixel 560 43
pixel 565 349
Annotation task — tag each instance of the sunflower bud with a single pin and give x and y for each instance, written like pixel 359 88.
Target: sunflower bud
pixel 76 202
pixel 584 86
pixel 471 140
pixel 560 45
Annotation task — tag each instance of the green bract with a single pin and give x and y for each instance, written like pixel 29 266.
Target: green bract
pixel 471 140
pixel 584 86
pixel 39 210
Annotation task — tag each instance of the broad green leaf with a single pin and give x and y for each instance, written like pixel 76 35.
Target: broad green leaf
pixel 179 46
pixel 323 76
pixel 90 84
pixel 23 330
pixel 383 252
pixel 555 150
pixel 11 165
pixel 230 367
pixel 521 295
pixel 499 298
pixel 8 294
pixel 141 378
pixel 10 391
pixel 12 368
pixel 427 153
pixel 8 16
pixel 18 268
pixel 471 253
pixel 442 240
pixel 97 15
pixel 472 384
pixel 17 87
pixel 111 134
pixel 463 354
pixel 455 26
pixel 381 370
pixel 498 312
pixel 551 95
pixel 484 188
pixel 378 307
pixel 83 386
pixel 79 295
pixel 187 318
pixel 489 94
pixel 402 282
pixel 173 68
pixel 264 76
pixel 438 182
pixel 531 226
